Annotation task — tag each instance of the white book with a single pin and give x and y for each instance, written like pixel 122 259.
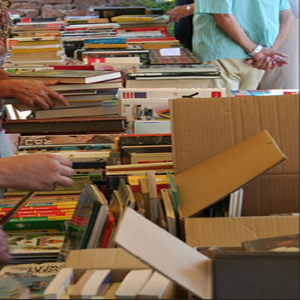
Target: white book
pixel 58 286
pixel 157 287
pixel 133 283
pixel 169 93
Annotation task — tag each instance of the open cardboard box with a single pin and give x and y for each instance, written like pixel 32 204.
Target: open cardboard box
pixel 204 127
pixel 119 261
pixel 210 273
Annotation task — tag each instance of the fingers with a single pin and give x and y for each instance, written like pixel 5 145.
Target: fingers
pixel 60 98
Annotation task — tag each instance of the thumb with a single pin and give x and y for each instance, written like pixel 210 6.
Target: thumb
pixel 249 61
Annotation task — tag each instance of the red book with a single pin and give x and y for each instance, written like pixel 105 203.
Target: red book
pixel 109 225
pixel 72 67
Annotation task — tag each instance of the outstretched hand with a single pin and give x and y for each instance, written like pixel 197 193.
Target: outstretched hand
pixel 36 172
pixel 33 93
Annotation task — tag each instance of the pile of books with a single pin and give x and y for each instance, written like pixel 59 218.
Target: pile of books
pixel 90 93
pixel 172 76
pixel 36 43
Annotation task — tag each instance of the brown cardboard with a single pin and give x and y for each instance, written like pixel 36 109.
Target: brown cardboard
pixel 212 274
pixel 231 232
pixel 204 127
pixel 206 183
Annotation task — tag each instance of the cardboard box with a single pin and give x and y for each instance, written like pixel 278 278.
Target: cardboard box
pixel 119 261
pixel 210 273
pixel 231 232
pixel 204 127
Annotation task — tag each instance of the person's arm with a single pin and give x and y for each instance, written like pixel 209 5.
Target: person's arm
pixel 30 92
pixel 287 19
pixel 35 172
pixel 4 250
pixel 232 28
pixel 180 11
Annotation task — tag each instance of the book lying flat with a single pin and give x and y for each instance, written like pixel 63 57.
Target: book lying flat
pixel 72 125
pixel 70 76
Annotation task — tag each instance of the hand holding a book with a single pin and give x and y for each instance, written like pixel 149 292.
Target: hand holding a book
pixel 32 92
pixel 4 249
pixel 37 172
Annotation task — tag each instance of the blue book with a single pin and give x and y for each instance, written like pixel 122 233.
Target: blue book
pixel 117 40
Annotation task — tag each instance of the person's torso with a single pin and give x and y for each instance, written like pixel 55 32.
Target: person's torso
pixel 258 18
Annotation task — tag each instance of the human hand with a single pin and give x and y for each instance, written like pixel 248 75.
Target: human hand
pixel 268 59
pixel 33 93
pixel 35 172
pixel 180 11
pixel 4 249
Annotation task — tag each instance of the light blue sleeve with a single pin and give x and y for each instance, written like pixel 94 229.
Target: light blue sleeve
pixel 214 6
pixel 284 5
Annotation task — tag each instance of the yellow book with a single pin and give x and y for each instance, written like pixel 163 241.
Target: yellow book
pixel 35 50
pixel 37 43
pixel 136 18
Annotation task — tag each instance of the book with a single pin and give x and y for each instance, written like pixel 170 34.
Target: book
pixel 175 68
pixel 185 57
pixel 104 46
pixel 167 83
pixel 132 284
pixel 111 40
pixel 110 84
pixel 67 139
pixel 67 125
pixel 168 93
pixel 24 288
pixel 80 229
pixel 92 283
pixel 285 243
pixel 31 270
pixel 70 76
pixel 168 206
pixel 82 111
pixel 58 286
pixel 136 30
pixel 268 92
pixel 136 18
pixel 157 287
pixel 110 225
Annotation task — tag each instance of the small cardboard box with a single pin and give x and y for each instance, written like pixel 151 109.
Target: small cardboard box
pixel 204 127
pixel 210 273
pixel 119 261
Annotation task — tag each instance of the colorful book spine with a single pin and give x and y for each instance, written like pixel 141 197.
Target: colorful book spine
pixel 129 29
pixel 110 221
pixel 118 40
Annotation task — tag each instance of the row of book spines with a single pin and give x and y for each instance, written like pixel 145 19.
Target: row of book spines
pixel 40 219
pixel 34 206
pixel 43 209
pixel 47 213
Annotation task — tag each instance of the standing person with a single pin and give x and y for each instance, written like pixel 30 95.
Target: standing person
pixel 240 38
pixel 286 77
pixel 183 28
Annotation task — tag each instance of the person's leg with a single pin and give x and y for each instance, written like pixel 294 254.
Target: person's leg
pixel 235 75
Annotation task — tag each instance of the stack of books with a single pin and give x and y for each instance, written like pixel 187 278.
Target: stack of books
pixel 90 93
pixel 77 29
pixel 29 44
pixel 196 75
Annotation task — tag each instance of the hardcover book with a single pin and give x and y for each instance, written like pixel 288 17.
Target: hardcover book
pixel 79 125
pixel 70 76
pixel 137 18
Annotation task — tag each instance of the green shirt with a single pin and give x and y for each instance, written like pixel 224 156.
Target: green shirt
pixel 258 18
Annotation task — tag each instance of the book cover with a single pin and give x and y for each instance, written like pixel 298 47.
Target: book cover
pixel 70 76
pixel 80 227
pixel 35 243
pixel 285 243
pixel 13 288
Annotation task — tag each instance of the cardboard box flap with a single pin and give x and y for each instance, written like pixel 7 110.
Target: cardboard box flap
pixel 102 259
pixel 231 232
pixel 208 182
pixel 165 253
